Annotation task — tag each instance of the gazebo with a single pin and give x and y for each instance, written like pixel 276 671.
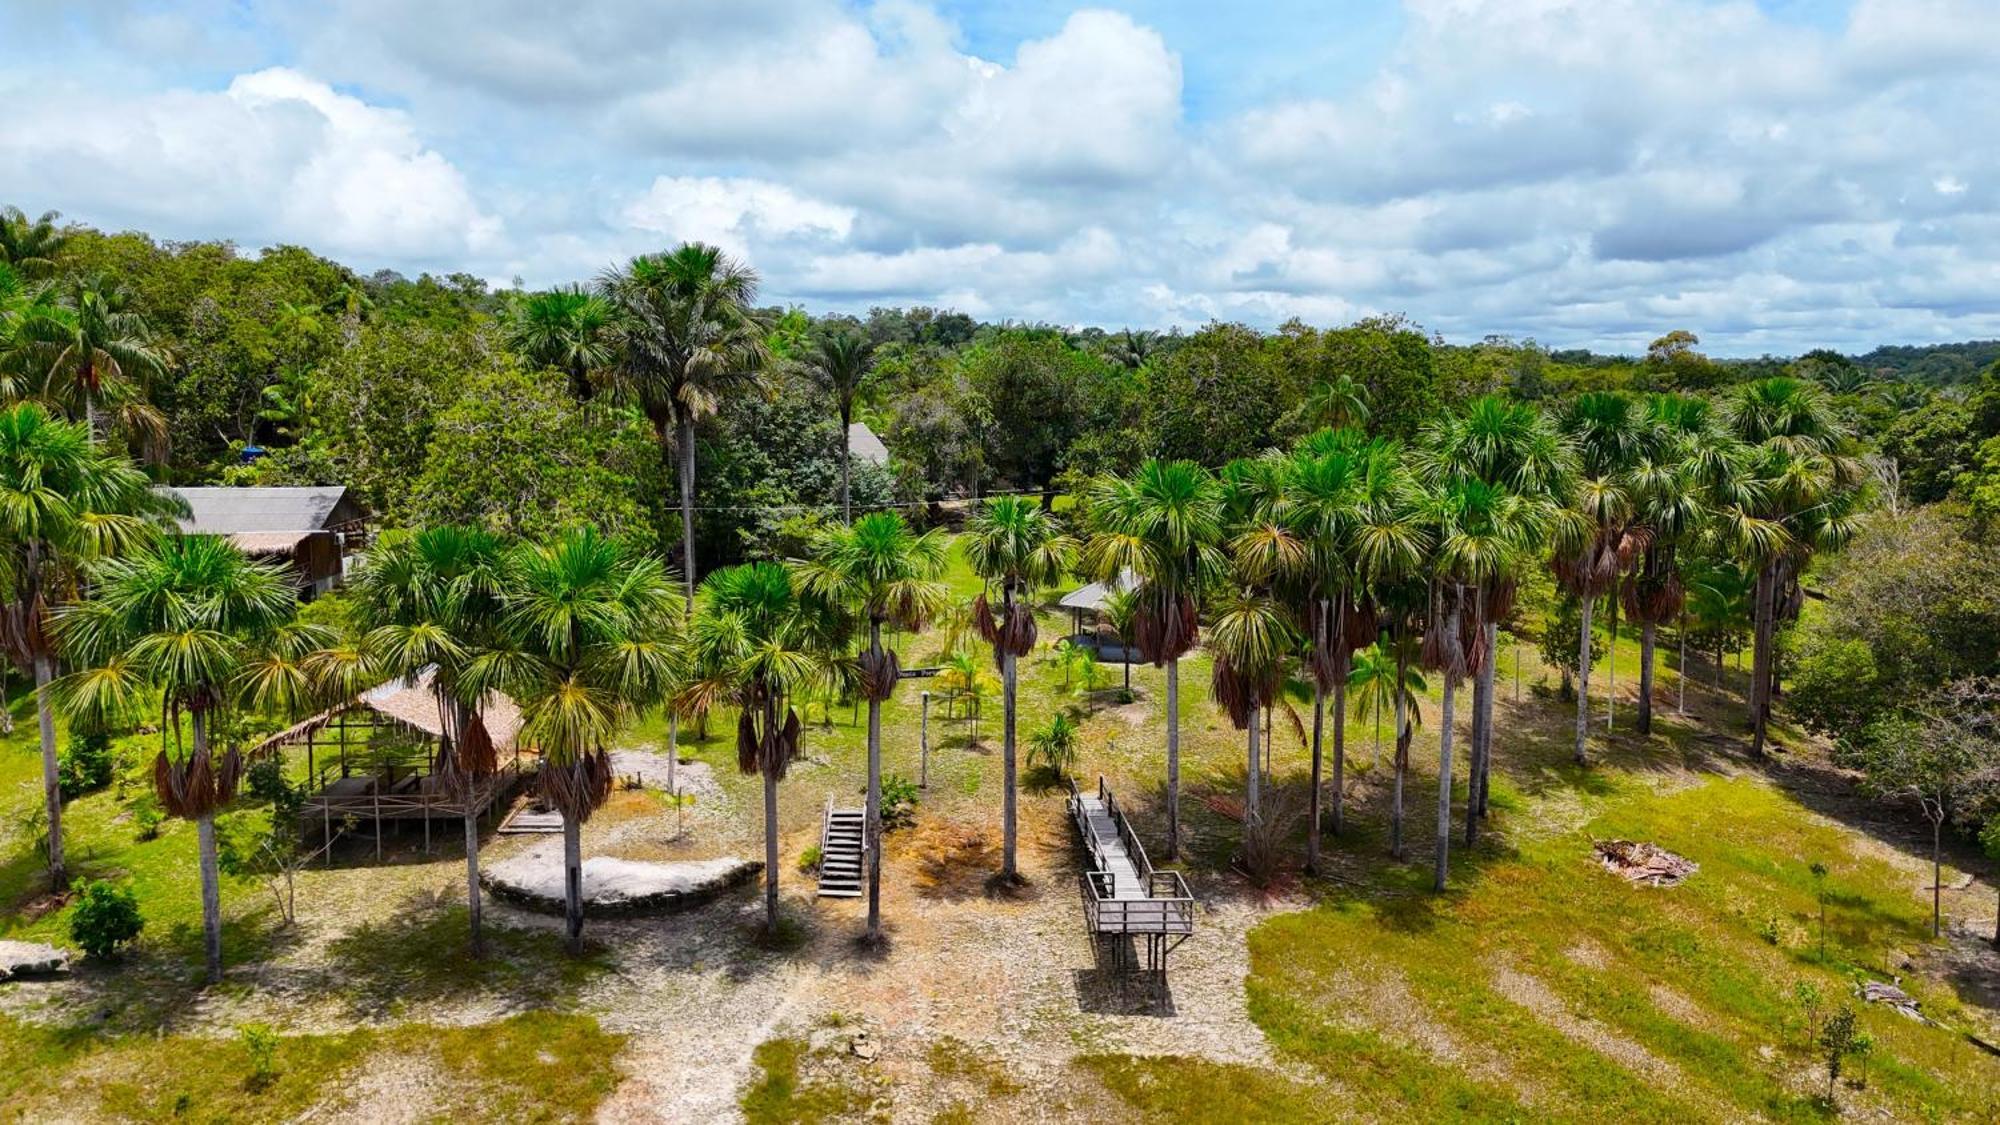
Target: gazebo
pixel 1090 599
pixel 377 761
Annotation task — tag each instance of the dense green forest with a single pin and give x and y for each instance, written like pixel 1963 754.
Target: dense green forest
pixel 400 388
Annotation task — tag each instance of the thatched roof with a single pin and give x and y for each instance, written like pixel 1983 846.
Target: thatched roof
pixel 411 704
pixel 864 446
pixel 232 511
pixel 1092 597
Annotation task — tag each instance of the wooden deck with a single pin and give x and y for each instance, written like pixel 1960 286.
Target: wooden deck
pixel 1122 895
pixel 340 802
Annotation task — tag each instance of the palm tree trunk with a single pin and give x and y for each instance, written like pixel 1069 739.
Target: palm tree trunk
pixel 1475 762
pixel 211 872
pixel 1251 796
pixel 770 852
pixel 1760 659
pixel 685 429
pixel 1486 713
pixel 1647 636
pixel 51 772
pixel 1008 828
pixel 1173 759
pixel 1937 879
pixel 472 898
pixel 1312 798
pixel 573 883
pixel 1340 751
pixel 874 811
pixel 1583 682
pixel 1451 645
pixel 846 468
pixel 1611 662
pixel 1402 763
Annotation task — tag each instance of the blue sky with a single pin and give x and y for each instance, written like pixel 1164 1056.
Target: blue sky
pixel 1773 176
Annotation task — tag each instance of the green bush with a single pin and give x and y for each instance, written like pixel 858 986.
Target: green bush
pixel 261 1044
pixel 809 860
pixel 147 815
pixel 265 779
pixel 86 765
pixel 104 918
pixel 899 802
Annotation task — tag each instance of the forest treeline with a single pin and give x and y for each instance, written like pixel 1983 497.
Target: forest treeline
pixel 442 400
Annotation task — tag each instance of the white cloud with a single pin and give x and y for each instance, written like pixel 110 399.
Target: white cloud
pixel 276 156
pixel 727 211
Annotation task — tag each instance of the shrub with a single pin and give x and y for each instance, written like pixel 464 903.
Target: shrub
pixel 1054 745
pixel 265 779
pixel 261 1044
pixel 104 918
pixel 899 802
pixel 87 765
pixel 809 860
pixel 147 815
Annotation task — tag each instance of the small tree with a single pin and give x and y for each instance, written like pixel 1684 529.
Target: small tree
pixel 1054 745
pixel 1934 758
pixel 1836 1042
pixel 104 918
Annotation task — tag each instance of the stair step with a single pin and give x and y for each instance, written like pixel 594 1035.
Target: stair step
pixel 828 893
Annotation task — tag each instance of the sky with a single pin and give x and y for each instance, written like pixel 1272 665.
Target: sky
pixel 1590 173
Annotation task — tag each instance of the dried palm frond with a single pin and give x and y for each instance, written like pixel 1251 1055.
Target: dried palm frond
pixel 576 789
pixel 1165 628
pixel 878 675
pixel 197 785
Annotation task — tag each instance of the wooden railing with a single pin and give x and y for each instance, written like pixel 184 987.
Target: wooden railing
pixel 1168 906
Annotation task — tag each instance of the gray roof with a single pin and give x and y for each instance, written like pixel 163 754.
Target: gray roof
pixel 227 511
pixel 1092 597
pixel 863 445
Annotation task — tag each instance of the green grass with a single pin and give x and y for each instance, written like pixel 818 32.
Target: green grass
pixel 532 1067
pixel 780 1095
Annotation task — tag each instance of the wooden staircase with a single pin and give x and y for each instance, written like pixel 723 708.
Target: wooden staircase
pixel 841 852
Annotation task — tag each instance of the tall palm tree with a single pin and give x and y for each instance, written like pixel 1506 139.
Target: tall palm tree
pixel 1338 403
pixel 1253 638
pixel 1165 524
pixel 1799 491
pixel 685 336
pixel 1597 537
pixel 761 642
pixel 567 328
pixel 885 573
pixel 1132 348
pixel 431 602
pixel 839 362
pixel 1392 548
pixel 93 352
pixel 1480 530
pixel 1514 447
pixel 1372 687
pixel 64 503
pixel 584 645
pixel 192 623
pixel 31 246
pixel 1012 542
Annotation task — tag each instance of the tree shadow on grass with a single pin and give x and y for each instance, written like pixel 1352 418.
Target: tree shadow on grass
pixel 424 955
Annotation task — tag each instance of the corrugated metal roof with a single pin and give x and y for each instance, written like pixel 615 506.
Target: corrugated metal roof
pixel 863 445
pixel 1092 597
pixel 230 511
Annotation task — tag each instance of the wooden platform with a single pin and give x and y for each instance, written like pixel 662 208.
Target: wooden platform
pixel 1123 897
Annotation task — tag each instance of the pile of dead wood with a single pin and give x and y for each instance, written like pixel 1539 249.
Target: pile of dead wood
pixel 1645 863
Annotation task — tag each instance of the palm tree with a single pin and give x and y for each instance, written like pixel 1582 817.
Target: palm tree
pixel 1339 403
pixel 1597 537
pixel 430 602
pixel 1252 639
pixel 881 571
pixel 190 622
pixel 1688 456
pixel 1013 542
pixel 567 328
pixel 1372 687
pixel 93 351
pixel 1480 530
pixel 1132 348
pixel 761 642
pixel 1797 491
pixel 685 335
pixel 31 246
pixel 1513 447
pixel 64 504
pixel 840 361
pixel 1392 546
pixel 584 644
pixel 1165 524
pixel 1121 611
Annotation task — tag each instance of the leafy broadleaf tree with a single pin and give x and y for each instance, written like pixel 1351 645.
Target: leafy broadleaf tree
pixel 193 625
pixel 1012 542
pixel 64 503
pixel 885 574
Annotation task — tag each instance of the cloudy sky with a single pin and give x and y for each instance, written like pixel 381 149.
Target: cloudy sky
pixel 1773 175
